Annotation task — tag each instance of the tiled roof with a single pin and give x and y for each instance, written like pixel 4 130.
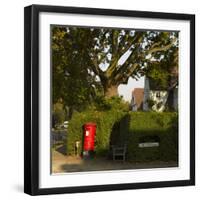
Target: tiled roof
pixel 138 94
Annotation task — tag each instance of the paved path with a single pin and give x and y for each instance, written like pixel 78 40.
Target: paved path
pixel 62 163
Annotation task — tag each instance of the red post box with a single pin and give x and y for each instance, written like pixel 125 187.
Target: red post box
pixel 89 132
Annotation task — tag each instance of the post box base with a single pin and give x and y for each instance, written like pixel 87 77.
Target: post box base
pixel 88 154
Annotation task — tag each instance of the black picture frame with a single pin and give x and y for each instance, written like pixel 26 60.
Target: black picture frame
pixel 31 98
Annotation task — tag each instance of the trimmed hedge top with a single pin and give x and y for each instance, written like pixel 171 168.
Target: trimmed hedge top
pixel 152 121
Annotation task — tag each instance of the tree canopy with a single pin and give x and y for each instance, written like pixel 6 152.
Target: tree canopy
pixel 91 61
pixel 70 60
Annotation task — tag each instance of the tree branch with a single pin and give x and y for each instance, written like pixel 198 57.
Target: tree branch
pixel 138 36
pixel 123 77
pixel 164 48
pixel 112 66
pixel 173 85
pixel 112 69
pixel 96 67
pixel 115 35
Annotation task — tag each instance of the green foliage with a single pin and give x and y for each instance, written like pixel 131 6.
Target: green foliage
pixel 163 74
pixel 72 80
pixel 104 119
pixel 80 56
pixel 59 114
pixel 119 134
pixel 115 102
pixel 159 77
pixel 115 126
pixel 153 127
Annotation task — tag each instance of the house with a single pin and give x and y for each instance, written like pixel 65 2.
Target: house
pixel 155 98
pixel 137 99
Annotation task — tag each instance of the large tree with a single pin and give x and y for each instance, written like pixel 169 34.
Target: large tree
pixel 163 75
pixel 72 82
pixel 110 56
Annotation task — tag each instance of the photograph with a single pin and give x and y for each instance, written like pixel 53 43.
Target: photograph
pixel 114 98
pixel 109 99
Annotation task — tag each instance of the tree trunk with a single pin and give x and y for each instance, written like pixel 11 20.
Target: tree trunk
pixel 170 100
pixel 111 90
pixel 70 113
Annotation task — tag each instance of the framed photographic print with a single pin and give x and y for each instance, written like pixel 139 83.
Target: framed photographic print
pixel 109 100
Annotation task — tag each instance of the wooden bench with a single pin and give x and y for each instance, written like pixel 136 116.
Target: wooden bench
pixel 119 151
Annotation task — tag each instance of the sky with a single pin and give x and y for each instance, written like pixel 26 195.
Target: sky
pixel 125 90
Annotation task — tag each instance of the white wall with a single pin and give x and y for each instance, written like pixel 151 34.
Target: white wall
pixel 11 101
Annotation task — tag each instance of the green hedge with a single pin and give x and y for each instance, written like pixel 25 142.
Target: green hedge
pixel 153 127
pixel 116 126
pixel 105 121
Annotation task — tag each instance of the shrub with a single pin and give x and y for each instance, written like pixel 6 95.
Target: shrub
pixel 116 125
pixel 102 104
pixel 153 127
pixel 104 119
